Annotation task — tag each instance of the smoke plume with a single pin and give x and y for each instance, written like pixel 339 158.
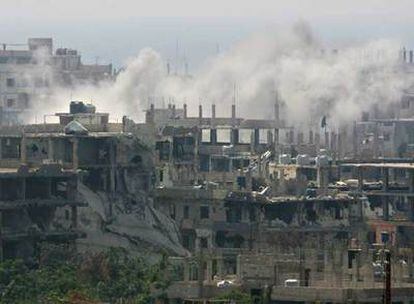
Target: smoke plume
pixel 311 80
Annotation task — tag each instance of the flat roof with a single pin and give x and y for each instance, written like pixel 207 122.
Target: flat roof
pixel 59 171
pixel 81 114
pixel 380 165
pixel 392 120
pixel 61 134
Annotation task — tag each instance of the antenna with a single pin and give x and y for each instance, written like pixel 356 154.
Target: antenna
pixel 234 93
pixel 168 68
pixel 176 56
pixel 185 66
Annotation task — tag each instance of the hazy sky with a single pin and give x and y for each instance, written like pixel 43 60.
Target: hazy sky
pixel 111 30
pixel 102 9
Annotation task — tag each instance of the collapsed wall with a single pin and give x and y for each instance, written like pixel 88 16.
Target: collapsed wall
pixel 128 221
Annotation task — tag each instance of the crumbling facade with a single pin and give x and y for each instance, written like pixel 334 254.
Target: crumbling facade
pixel 235 204
pixel 37 205
pixel 285 219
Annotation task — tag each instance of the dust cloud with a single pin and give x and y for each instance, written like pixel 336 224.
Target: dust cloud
pixel 309 79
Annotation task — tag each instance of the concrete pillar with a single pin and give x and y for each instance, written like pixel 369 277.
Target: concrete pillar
pixel 197 244
pixel 411 199
pixel 252 142
pixel 75 157
pixel 201 275
pixel 112 169
pixel 300 138
pixel 173 112
pixel 196 150
pixel 385 208
pixel 186 271
pixel 150 115
pixel 277 110
pixel 386 178
pixel 200 112
pixel 220 267
pixel 410 264
pixel 213 111
pixel 1 149
pixel 1 236
pixel 22 194
pixel 256 137
pixel 355 141
pixel 233 111
pixel 291 136
pixel 49 187
pixel 185 110
pixel 234 136
pixel 360 173
pixel 276 142
pixel 385 203
pixel 276 278
pixel 213 136
pixel 269 137
pixel 276 138
pixel 50 152
pixel 310 137
pixel 23 149
pixel 333 143
pixel 248 181
pixel 71 188
pixel 358 266
pixel 74 217
pixel 326 143
pixel 323 178
pixel 209 270
pixel 339 147
pixel 375 143
pixel 317 142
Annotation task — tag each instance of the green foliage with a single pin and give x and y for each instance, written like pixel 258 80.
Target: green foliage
pixel 108 276
pixel 236 296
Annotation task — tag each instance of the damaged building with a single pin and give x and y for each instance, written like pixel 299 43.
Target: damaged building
pixel 82 161
pixel 235 203
pixel 287 219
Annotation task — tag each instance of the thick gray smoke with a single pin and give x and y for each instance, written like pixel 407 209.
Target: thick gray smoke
pixel 311 82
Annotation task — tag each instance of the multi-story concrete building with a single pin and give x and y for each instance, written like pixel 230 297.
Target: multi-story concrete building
pixel 259 220
pixel 28 76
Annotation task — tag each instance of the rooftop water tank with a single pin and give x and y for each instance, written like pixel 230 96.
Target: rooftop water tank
pixel 303 160
pixel 284 159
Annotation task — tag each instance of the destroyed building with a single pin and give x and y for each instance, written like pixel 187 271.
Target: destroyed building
pixel 236 203
pixel 301 227
pixel 104 168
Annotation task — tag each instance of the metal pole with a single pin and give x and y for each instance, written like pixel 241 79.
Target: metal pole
pixel 387 298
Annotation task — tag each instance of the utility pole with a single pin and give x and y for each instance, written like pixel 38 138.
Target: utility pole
pixel 387 296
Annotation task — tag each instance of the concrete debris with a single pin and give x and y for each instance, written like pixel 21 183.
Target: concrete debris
pixel 75 128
